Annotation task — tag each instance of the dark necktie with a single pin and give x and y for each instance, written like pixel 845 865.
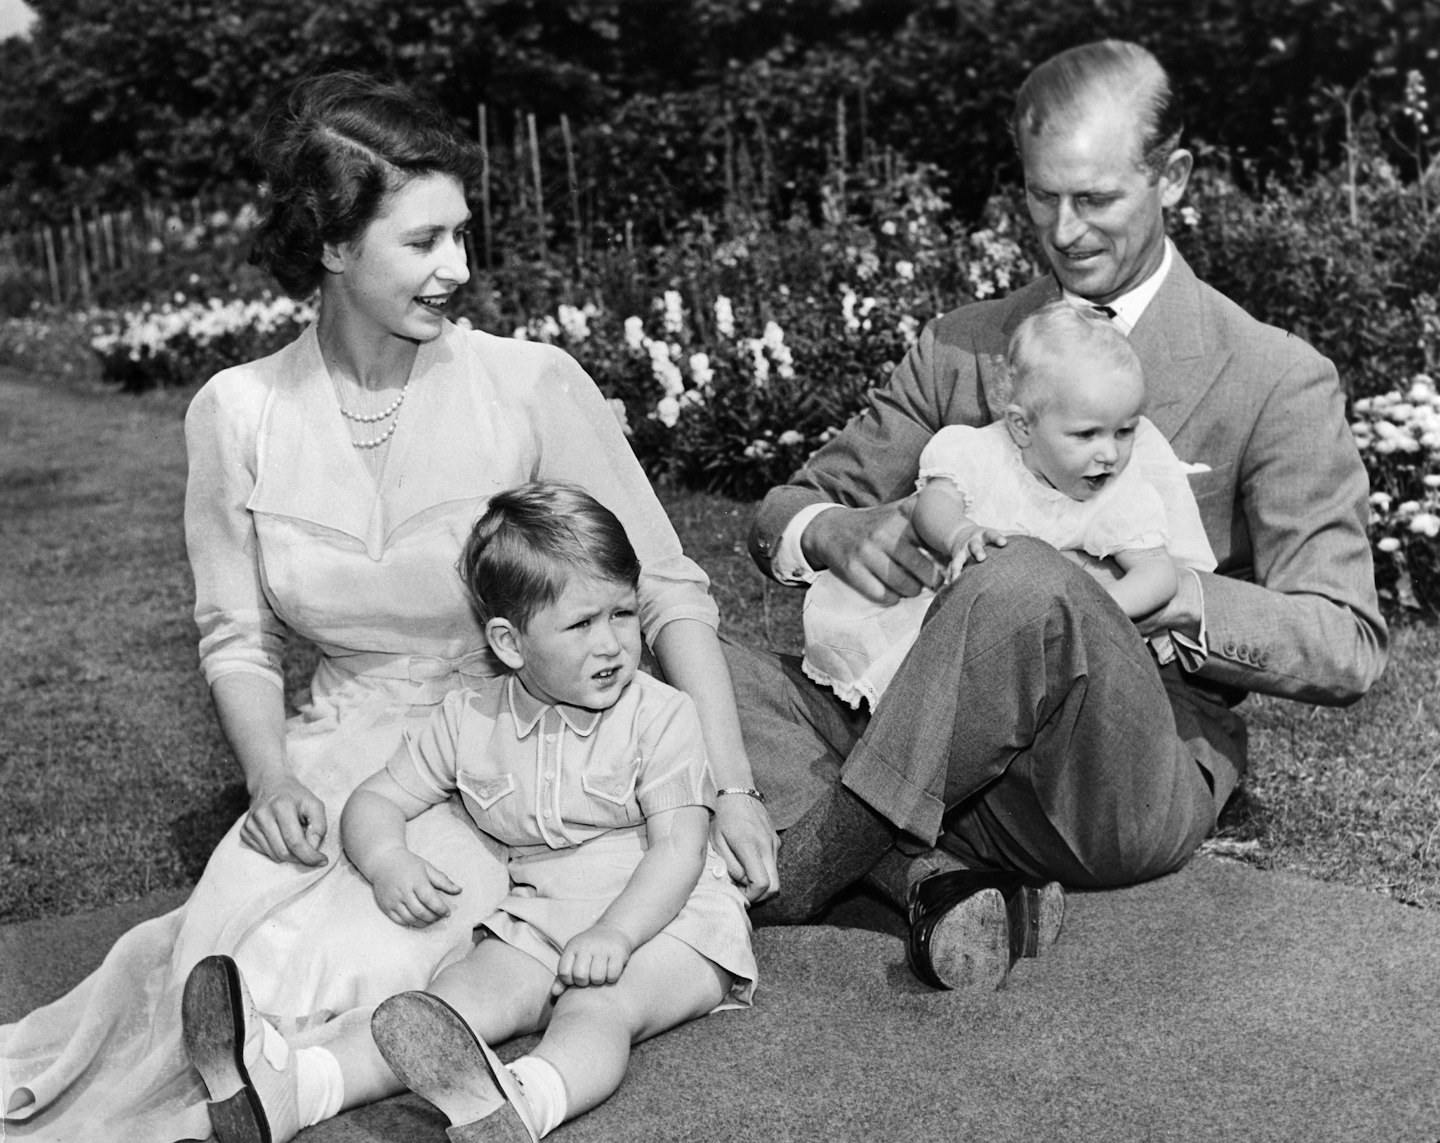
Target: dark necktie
pixel 1104 311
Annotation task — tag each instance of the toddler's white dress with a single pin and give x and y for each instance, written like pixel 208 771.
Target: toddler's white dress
pixel 286 528
pixel 855 646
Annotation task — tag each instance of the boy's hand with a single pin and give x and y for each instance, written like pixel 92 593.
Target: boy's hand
pixel 969 543
pixel 596 956
pixel 409 890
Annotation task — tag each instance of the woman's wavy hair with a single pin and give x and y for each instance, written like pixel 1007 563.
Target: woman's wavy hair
pixel 332 147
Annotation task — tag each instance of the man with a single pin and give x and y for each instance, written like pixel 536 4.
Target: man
pixel 1030 730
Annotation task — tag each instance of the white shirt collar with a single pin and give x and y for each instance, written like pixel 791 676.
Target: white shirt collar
pixel 1129 306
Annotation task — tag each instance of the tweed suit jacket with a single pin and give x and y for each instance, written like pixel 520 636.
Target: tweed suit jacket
pixel 1291 609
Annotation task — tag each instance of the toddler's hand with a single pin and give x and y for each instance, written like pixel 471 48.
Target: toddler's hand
pixel 969 544
pixel 596 956
pixel 409 890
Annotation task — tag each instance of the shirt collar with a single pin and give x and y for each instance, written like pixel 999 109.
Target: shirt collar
pixel 1129 306
pixel 527 711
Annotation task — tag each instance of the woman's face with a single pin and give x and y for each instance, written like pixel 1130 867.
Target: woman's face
pixel 399 275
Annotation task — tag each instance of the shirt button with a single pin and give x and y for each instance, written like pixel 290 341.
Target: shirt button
pixel 549 738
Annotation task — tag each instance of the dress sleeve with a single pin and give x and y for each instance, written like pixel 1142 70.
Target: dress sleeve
pixel 238 630
pixel 958 453
pixel 1133 520
pixel 674 770
pixel 579 439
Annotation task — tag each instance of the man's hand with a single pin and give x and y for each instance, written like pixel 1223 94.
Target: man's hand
pixel 596 956
pixel 286 822
pixel 874 550
pixel 742 834
pixel 409 890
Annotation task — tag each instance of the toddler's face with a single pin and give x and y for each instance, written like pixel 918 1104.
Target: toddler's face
pixel 1081 438
pixel 584 649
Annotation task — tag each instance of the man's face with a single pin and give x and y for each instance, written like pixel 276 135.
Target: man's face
pixel 1098 215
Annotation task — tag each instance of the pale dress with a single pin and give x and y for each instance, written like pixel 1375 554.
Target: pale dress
pixel 286 527
pixel 855 646
pixel 568 791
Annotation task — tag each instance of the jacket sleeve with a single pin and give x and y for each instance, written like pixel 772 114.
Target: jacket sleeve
pixel 876 457
pixel 1303 621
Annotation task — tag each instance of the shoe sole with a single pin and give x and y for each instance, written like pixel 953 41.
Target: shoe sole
pixel 1037 913
pixel 970 944
pixel 212 1013
pixel 432 1051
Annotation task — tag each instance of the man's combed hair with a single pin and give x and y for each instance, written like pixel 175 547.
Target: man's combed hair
pixel 1057 92
pixel 1060 331
pixel 532 540
pixel 331 148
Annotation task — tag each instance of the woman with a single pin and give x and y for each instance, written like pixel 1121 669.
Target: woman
pixel 331 487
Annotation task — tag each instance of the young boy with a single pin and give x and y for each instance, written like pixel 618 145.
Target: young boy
pixel 620 922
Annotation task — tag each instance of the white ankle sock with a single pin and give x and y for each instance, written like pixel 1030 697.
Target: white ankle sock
pixel 319 1085
pixel 544 1091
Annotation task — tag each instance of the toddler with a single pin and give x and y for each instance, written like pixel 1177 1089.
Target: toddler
pixel 621 921
pixel 1055 466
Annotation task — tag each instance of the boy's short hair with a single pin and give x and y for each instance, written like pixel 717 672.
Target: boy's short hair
pixel 531 540
pixel 1068 333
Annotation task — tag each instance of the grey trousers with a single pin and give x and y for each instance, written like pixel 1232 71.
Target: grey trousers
pixel 1029 729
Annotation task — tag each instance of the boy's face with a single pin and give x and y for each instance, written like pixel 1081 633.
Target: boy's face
pixel 1082 435
pixel 582 650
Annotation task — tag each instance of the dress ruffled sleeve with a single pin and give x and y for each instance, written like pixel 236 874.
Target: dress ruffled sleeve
pixel 959 454
pixel 238 630
pixel 1133 519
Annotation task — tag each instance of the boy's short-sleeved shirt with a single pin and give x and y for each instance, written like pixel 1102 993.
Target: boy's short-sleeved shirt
pixel 530 773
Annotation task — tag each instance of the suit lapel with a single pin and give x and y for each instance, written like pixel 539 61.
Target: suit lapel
pixel 1171 339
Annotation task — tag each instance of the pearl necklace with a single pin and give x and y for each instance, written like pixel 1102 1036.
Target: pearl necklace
pixel 362 419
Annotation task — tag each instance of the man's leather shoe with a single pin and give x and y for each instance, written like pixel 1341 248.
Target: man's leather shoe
pixel 968 927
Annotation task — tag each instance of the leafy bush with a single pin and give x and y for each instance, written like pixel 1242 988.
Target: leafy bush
pixel 1297 258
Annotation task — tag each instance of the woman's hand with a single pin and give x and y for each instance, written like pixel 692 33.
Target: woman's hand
pixel 286 822
pixel 409 890
pixel 742 834
pixel 596 956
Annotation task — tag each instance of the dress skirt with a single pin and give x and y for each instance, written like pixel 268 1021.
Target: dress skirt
pixel 107 1060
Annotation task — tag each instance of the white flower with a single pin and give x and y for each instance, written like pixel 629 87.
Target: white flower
pixel 674 313
pixel 905 271
pixel 1389 544
pixel 575 322
pixel 790 437
pixel 909 327
pixel 700 371
pixel 1432 480
pixel 888 228
pixel 634 333
pixel 1190 216
pixel 1380 501
pixel 668 411
pixel 724 317
pixel 1427 524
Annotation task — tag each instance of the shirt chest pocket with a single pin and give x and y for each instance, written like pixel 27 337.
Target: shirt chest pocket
pixel 611 796
pixel 492 802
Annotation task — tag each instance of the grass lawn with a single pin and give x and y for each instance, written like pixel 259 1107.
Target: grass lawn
pixel 116 782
